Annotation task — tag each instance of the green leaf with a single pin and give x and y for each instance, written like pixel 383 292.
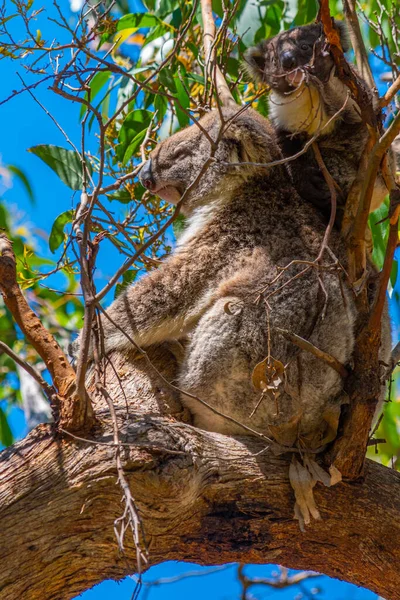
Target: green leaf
pixel 394 273
pixel 166 7
pixel 167 80
pixel 57 235
pixel 179 225
pixel 24 180
pixel 306 12
pixel 6 436
pixel 127 278
pixel 157 32
pixel 379 224
pixel 137 21
pixel 389 425
pixel 150 4
pixel 132 133
pixel 96 84
pixel 161 106
pixel 66 163
pixel 122 196
pixel 184 102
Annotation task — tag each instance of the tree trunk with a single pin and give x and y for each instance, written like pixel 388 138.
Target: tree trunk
pixel 203 497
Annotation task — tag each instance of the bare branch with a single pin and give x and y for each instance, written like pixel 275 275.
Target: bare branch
pixel 357 42
pixel 391 93
pixel 212 69
pixel 74 414
pixel 309 347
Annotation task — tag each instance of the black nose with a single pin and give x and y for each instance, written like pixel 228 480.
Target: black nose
pixel 146 175
pixel 288 60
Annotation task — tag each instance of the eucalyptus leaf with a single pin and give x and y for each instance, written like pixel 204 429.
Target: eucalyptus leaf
pixel 137 21
pixel 24 180
pixel 132 133
pixel 122 196
pixel 127 278
pixel 6 436
pixel 57 234
pixel 66 163
pixel 96 84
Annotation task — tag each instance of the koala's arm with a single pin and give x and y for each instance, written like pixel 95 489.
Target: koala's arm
pixel 163 305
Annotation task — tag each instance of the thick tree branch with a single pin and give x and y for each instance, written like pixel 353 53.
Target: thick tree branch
pixel 359 90
pixel 202 497
pixel 365 386
pixel 357 239
pixel 212 69
pixel 75 413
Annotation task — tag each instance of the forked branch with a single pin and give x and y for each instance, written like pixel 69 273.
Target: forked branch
pixel 75 413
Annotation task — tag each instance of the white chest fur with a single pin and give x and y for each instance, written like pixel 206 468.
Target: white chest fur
pixel 196 222
pixel 303 110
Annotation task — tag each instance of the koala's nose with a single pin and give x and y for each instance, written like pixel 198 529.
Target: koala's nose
pixel 146 175
pixel 288 60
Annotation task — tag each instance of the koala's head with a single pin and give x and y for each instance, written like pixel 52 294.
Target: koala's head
pixel 284 61
pixel 176 163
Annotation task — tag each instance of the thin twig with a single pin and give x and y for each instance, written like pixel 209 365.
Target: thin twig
pixel 309 347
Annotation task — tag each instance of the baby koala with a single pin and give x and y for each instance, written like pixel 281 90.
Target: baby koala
pixel 308 99
pixel 231 283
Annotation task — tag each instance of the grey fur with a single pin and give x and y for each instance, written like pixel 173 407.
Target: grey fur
pixel 243 226
pixel 303 109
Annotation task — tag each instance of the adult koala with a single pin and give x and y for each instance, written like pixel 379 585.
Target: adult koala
pixel 231 283
pixel 308 99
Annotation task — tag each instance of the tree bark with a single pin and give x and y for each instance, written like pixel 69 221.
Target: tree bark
pixel 203 497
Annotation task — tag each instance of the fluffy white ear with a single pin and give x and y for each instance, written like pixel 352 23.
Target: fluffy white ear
pixel 254 62
pixel 344 34
pixel 249 146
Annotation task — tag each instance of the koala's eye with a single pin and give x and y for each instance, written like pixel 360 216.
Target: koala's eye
pixel 304 46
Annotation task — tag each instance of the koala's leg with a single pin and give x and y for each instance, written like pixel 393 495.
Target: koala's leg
pixel 227 342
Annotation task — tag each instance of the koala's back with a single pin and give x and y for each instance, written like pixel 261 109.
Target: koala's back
pixel 259 232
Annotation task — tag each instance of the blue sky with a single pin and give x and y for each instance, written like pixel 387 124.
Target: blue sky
pixel 25 124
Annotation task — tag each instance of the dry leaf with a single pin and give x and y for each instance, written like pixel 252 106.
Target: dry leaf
pixel 336 475
pixel 331 416
pixel 233 308
pixel 286 433
pixel 317 472
pixel 268 375
pixel 302 483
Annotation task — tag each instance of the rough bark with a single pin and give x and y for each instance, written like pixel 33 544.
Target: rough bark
pixel 203 497
pixel 74 411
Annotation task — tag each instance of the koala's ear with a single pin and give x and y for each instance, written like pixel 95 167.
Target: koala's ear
pixel 246 149
pixel 344 35
pixel 255 61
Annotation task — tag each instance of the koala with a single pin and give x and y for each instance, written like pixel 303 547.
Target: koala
pixel 305 96
pixel 231 283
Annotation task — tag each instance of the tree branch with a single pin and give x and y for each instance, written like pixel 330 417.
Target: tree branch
pixel 212 69
pixel 202 497
pixel 75 413
pixel 349 7
pixel 391 93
